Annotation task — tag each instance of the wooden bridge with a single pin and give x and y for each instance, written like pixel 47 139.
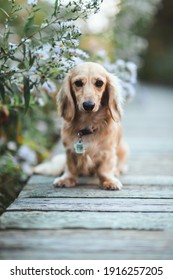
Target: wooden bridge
pixel 89 223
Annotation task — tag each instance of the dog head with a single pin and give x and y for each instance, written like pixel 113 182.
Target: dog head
pixel 87 88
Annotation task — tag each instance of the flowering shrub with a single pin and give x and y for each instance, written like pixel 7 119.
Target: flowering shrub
pixel 126 71
pixel 45 51
pixel 35 53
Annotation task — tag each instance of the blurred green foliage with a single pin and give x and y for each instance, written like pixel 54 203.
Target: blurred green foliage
pixel 131 25
pixel 10 172
pixel 158 58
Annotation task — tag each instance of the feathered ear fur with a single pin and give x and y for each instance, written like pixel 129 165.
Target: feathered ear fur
pixel 65 100
pixel 114 98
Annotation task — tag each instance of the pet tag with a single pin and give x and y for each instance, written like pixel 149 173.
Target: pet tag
pixel 79 147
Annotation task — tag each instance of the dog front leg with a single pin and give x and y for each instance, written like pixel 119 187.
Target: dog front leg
pixel 105 168
pixel 69 178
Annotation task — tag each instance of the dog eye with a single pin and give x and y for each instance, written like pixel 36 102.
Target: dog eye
pixel 78 83
pixel 99 83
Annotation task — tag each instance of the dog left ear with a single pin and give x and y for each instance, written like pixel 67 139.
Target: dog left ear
pixel 115 100
pixel 65 100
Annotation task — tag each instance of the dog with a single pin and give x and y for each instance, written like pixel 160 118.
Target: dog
pixel 90 104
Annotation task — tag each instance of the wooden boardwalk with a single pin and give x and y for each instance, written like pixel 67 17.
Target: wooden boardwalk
pixel 89 223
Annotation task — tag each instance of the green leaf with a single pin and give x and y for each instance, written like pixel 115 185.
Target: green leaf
pixel 27 92
pixel 54 70
pixel 31 59
pixel 28 24
pixel 2 91
pixel 56 7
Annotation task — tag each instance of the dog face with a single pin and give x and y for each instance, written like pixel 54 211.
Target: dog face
pixel 87 88
pixel 88 84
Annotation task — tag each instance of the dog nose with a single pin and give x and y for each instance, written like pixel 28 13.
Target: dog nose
pixel 88 106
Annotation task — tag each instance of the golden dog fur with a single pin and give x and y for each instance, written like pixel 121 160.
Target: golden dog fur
pixel 105 151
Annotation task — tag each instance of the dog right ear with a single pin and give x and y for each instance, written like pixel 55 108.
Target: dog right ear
pixel 114 97
pixel 65 100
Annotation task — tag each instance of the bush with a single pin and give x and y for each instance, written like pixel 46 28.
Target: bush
pixel 37 49
pixel 41 51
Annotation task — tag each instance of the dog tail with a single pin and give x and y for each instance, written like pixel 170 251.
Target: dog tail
pixel 54 167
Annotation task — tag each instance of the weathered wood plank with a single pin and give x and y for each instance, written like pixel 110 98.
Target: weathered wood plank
pixel 87 220
pixel 92 205
pixel 40 179
pixel 126 180
pixel 151 166
pixel 148 180
pixel 143 145
pixel 93 191
pixel 85 244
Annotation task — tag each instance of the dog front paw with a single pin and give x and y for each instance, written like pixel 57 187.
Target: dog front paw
pixel 111 184
pixel 67 182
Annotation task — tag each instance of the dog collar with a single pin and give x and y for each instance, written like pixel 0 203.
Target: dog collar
pixel 79 146
pixel 85 131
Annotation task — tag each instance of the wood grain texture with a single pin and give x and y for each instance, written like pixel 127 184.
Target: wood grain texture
pixel 92 205
pixel 129 179
pixel 85 244
pixel 88 188
pixel 87 220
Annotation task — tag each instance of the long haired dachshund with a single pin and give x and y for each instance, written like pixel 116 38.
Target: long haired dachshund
pixel 90 103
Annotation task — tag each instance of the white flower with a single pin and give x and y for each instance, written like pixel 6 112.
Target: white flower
pixel 75 61
pixel 67 24
pixel 44 52
pixel 64 63
pixel 12 46
pixel 78 52
pixel 59 47
pixel 77 30
pixel 32 2
pixel 75 42
pixel 26 41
